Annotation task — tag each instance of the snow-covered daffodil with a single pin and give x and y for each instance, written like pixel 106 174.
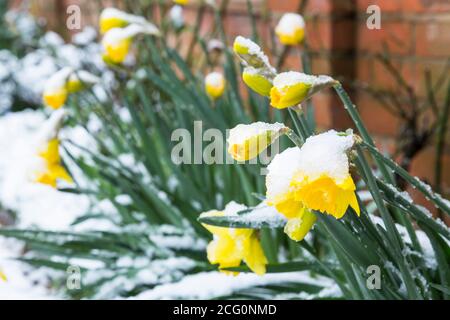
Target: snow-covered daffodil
pixel 247 141
pixel 258 80
pixel 231 246
pixel 114 18
pixel 290 29
pixel 117 41
pixel 65 81
pixel 291 88
pixel 46 164
pixel 313 177
pixel 215 84
pixel 51 170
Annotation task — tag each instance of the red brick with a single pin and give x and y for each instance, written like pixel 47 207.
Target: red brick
pixel 397 36
pixel 433 39
pixel 377 119
pixel 417 6
pixel 277 5
pixel 383 79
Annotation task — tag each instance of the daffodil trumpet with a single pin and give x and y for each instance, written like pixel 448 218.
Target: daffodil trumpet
pixel 312 178
pixel 231 246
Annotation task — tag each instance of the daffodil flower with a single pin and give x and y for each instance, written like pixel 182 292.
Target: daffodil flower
pixel 176 16
pixel 258 80
pixel 117 41
pixel 231 246
pixel 58 87
pixel 215 84
pixel 113 18
pixel 247 141
pixel 46 167
pixel 290 29
pixel 291 88
pixel 51 170
pixel 313 177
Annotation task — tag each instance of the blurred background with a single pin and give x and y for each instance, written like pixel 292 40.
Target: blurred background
pixel 397 73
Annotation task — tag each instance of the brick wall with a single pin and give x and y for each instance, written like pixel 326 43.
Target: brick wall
pixel 416 33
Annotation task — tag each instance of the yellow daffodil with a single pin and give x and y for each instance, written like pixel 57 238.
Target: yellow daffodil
pixel 113 18
pixel 291 88
pixel 58 87
pixel 55 91
pixel 257 80
pixel 117 41
pixel 181 2
pixel 290 29
pixel 2 276
pixel 232 246
pixel 46 162
pixel 313 177
pixel 247 141
pixel 52 170
pixel 215 84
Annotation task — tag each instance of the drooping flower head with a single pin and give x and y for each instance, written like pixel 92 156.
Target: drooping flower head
pixel 231 246
pixel 46 167
pixel 117 41
pixel 58 87
pixel 313 177
pixel 258 73
pixel 291 88
pixel 290 29
pixel 215 84
pixel 247 141
pixel 114 18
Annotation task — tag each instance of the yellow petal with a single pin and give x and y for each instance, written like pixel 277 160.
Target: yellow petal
pixel 298 227
pixel 117 52
pixel 257 82
pixel 55 99
pixel 224 251
pixel 254 255
pixel 292 38
pixel 215 84
pixel 289 96
pixel 109 23
pixel 51 152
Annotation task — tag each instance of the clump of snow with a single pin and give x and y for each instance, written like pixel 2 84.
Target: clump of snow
pixel 209 285
pixel 85 37
pixel 291 78
pixel 215 79
pixel 263 215
pixel 254 50
pixel 322 154
pixel 176 16
pixel 242 132
pixel 289 23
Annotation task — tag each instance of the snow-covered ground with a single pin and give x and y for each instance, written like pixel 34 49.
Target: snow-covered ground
pixel 36 204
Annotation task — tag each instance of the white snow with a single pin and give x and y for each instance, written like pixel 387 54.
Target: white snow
pixel 216 284
pixel 289 23
pixel 242 132
pixel 214 79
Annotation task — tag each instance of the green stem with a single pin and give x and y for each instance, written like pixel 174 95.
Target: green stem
pixel 415 182
pixel 297 140
pixel 392 231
